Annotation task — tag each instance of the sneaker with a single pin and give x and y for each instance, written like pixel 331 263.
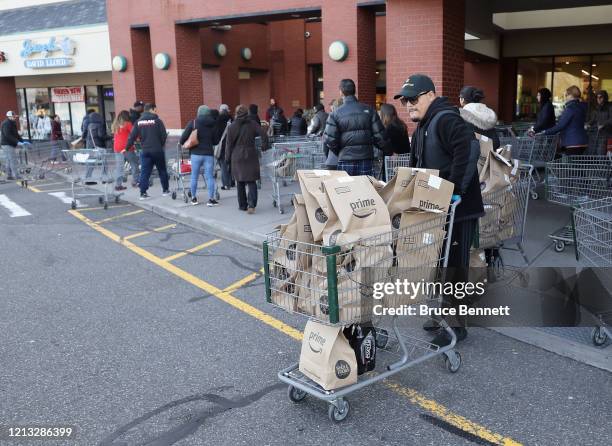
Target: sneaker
pixel 225 188
pixel 194 201
pixel 212 203
pixel 250 210
pixel 165 193
pixel 118 188
pixel 144 196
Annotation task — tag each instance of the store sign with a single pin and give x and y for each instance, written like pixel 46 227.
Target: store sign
pixel 66 45
pixel 67 94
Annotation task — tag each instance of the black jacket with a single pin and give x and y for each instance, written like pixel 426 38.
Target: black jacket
pixel 317 124
pixel 151 131
pixel 134 116
pixel 9 134
pixel 602 116
pixel 96 131
pixel 455 146
pixel 207 135
pixel 397 139
pixel 545 118
pixel 220 127
pixel 254 118
pixel 352 130
pixel 297 126
pixel 481 119
pixel 279 124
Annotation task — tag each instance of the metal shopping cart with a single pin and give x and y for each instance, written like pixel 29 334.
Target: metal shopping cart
pixel 92 166
pixel 333 285
pixel 18 159
pixel 282 162
pixel 46 157
pixel 179 169
pixel 533 150
pixel 573 181
pixel 505 215
pixel 520 128
pixel 395 161
pixel 593 237
pixel 597 143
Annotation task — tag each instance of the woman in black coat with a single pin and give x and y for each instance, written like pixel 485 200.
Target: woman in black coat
pixel 546 116
pixel 396 134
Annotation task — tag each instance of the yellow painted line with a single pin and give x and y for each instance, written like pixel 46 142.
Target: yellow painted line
pixel 55 190
pixel 242 282
pixel 196 281
pixel 140 234
pixel 51 184
pixel 99 208
pixel 116 217
pixel 34 189
pixel 412 395
pixel 191 250
pixel 442 412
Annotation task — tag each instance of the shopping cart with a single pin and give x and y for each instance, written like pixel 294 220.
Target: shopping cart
pixel 23 171
pixel 503 224
pixel 520 128
pixel 46 157
pixel 333 285
pixel 92 166
pixel 533 150
pixel 283 160
pixel 597 143
pixel 179 169
pixel 395 161
pixel 573 181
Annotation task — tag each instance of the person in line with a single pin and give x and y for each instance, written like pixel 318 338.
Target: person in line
pixel 396 134
pixel 297 125
pixel 318 121
pixel 121 128
pixel 96 131
pixel 152 133
pixel 9 139
pixel 43 125
pixel 331 159
pixel 601 117
pixel 546 115
pixel 352 131
pixel 481 119
pixel 85 123
pixel 225 119
pixel 271 111
pixel 136 111
pixel 242 154
pixel 202 155
pixel 571 124
pixel 443 141
pixel 279 124
pixel 57 137
pixel 254 114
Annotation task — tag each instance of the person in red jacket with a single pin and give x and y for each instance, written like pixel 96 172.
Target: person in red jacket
pixel 122 126
pixel 56 137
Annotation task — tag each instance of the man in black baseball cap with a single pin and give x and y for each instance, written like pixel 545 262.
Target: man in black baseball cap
pixel 443 141
pixel 136 111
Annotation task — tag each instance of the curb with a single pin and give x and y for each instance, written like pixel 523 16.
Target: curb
pixel 600 358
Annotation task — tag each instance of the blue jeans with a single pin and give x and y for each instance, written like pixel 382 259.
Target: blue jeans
pixel 356 168
pixel 226 177
pixel 150 159
pixel 208 161
pixel 119 162
pixel 132 158
pixel 11 160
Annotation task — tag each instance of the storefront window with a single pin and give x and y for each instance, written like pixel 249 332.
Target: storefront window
pixel 109 105
pixel 77 110
pixel 601 78
pixel 533 73
pixel 39 109
pixel 93 101
pixel 570 70
pixel 23 116
pixel 381 84
pixel 62 109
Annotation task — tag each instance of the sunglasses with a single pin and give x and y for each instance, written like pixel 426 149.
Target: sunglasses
pixel 414 100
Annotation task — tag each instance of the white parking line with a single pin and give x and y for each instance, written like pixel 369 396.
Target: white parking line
pixel 64 198
pixel 14 209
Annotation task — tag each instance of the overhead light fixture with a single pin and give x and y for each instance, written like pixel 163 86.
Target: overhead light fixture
pixel 296 16
pixel 585 72
pixel 567 62
pixel 594 65
pixel 594 77
pixel 468 36
pixel 218 27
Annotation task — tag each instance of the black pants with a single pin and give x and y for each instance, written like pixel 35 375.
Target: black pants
pixel 245 201
pixel 459 263
pixel 148 160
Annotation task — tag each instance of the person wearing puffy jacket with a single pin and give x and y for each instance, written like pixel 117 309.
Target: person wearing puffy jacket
pixel 352 131
pixel 297 124
pixel 477 115
pixel 574 138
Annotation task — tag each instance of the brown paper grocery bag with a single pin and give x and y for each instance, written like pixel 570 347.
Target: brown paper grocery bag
pixel 496 172
pixel 304 231
pixel 398 192
pixel 361 211
pixel 486 147
pixel 320 212
pixel 431 193
pixel 283 287
pixel 326 356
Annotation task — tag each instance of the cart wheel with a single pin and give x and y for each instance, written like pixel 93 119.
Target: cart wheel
pixel 599 337
pixel 382 338
pixel 24 184
pixel 117 199
pixel 189 193
pixel 100 200
pixel 559 246
pixel 73 204
pixel 41 176
pixel 452 365
pixel 296 395
pixel 535 195
pixel 335 415
pixel 105 205
pixel 281 209
pixel 174 195
pixel 274 204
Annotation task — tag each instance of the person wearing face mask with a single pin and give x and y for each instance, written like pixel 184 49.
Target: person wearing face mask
pixel 444 141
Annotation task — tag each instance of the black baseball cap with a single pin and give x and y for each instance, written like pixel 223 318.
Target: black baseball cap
pixel 139 104
pixel 415 85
